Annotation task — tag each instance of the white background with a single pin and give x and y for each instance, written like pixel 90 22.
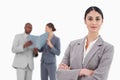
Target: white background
pixel 67 16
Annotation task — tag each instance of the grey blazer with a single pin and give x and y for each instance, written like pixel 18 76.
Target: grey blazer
pixel 98 59
pixel 49 54
pixel 23 56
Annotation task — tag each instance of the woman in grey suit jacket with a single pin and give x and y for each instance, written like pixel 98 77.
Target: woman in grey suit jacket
pixel 49 52
pixel 88 58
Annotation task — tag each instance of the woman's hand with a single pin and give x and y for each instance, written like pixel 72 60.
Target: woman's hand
pixel 64 66
pixel 49 43
pixel 86 72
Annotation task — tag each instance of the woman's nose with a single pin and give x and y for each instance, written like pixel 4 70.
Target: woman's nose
pixel 94 22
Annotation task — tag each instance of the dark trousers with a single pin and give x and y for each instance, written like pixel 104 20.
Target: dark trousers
pixel 48 69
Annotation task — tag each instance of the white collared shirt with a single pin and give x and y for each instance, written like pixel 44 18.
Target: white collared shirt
pixel 25 35
pixel 86 51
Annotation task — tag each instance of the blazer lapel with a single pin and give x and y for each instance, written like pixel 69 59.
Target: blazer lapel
pixel 93 50
pixel 53 39
pixel 79 48
pixel 24 37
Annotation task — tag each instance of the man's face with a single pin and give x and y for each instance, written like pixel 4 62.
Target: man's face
pixel 28 28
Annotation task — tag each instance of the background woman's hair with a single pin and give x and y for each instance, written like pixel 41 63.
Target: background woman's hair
pixel 50 25
pixel 93 8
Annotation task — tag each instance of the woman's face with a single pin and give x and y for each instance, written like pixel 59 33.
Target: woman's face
pixel 47 29
pixel 93 21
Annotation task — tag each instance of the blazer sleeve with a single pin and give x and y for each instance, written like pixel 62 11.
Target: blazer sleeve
pixel 101 73
pixel 56 48
pixel 72 74
pixel 17 47
pixel 66 58
pixel 67 74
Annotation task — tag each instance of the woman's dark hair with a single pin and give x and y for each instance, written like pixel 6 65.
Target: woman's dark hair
pixel 50 25
pixel 93 8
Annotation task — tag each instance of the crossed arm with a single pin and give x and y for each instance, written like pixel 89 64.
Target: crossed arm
pixel 82 72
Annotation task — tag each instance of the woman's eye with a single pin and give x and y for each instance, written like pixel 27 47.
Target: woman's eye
pixel 97 19
pixel 90 19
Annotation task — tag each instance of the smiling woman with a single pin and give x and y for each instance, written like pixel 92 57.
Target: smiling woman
pixel 88 58
pixel 94 19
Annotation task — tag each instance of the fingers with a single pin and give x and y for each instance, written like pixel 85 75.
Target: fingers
pixel 49 43
pixel 35 50
pixel 28 43
pixel 64 66
pixel 86 72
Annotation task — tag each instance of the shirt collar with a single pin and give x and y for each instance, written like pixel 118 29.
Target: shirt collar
pixel 26 34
